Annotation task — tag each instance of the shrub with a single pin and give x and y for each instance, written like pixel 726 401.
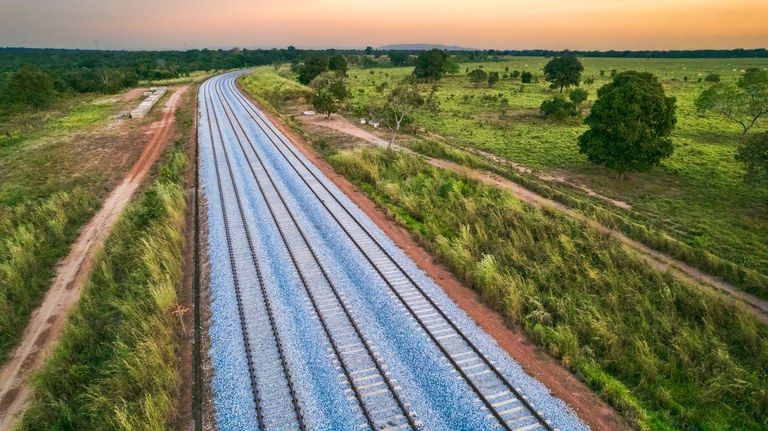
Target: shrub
pixel 712 77
pixel 526 77
pixel 558 108
pixel 578 96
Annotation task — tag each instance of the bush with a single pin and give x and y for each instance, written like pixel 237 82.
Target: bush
pixel 712 77
pixel 526 77
pixel 477 76
pixel 558 108
pixel 578 96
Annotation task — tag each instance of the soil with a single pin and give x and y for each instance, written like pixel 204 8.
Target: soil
pixel 662 262
pixel 561 383
pixel 49 320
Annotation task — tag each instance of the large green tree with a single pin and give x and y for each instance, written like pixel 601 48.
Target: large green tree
pixel 629 124
pixel 330 93
pixel 431 65
pixel 563 72
pixel 313 66
pixel 753 153
pixel 744 103
pixel 30 86
pixel 338 63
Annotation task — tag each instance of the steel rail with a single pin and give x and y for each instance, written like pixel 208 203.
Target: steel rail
pixel 265 297
pixel 344 307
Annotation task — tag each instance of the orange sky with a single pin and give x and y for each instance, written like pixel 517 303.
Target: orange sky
pixel 511 24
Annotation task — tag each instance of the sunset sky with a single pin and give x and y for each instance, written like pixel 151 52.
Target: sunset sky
pixel 498 24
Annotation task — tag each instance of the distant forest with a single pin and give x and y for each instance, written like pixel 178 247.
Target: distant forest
pixel 31 77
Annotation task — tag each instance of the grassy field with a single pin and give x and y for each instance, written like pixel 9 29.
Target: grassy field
pixel 696 198
pixel 45 196
pixel 665 354
pixel 115 367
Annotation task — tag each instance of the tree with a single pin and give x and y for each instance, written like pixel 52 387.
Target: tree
pixel 451 66
pixel 744 103
pixel 399 106
pixel 753 153
pixel 629 124
pixel 30 86
pixel 477 76
pixel 493 78
pixel 338 64
pixel 526 77
pixel 430 65
pixel 398 58
pixel 563 72
pixel 312 67
pixel 330 92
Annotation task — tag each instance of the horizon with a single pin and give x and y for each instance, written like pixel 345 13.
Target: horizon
pixel 386 47
pixel 595 25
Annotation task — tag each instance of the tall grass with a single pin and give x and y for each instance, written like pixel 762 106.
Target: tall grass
pixel 115 367
pixel 665 354
pixel 694 206
pixel 32 238
pixel 638 226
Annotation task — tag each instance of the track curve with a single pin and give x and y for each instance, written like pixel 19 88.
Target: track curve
pixel 374 343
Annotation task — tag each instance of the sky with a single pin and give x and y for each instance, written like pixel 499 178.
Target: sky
pixel 481 24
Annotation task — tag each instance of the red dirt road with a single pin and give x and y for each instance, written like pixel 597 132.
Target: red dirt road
pixel 49 320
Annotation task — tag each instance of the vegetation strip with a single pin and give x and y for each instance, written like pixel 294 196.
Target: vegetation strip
pixel 520 270
pixel 115 366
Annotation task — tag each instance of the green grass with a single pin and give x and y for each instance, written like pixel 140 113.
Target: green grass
pixel 273 88
pixel 115 366
pixel 194 77
pixel 44 200
pixel 665 354
pixel 695 206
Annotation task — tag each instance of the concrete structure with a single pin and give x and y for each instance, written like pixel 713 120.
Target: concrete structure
pixel 148 103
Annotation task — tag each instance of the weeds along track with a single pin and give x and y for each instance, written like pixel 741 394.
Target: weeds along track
pixel 320 321
pixel 375 393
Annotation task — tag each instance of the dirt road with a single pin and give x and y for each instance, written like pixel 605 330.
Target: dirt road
pixel 752 304
pixel 49 320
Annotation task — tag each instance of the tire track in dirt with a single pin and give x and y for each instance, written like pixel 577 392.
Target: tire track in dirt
pixel 49 320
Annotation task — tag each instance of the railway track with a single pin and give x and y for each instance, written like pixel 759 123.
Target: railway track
pixel 503 401
pixel 337 327
pixel 272 387
pixel 362 370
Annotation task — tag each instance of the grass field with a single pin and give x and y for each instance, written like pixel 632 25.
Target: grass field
pixel 116 366
pixel 665 354
pixel 697 196
pixel 56 167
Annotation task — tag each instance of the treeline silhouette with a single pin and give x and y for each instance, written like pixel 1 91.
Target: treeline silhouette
pixel 34 77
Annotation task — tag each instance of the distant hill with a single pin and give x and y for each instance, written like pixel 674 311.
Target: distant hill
pixel 422 47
